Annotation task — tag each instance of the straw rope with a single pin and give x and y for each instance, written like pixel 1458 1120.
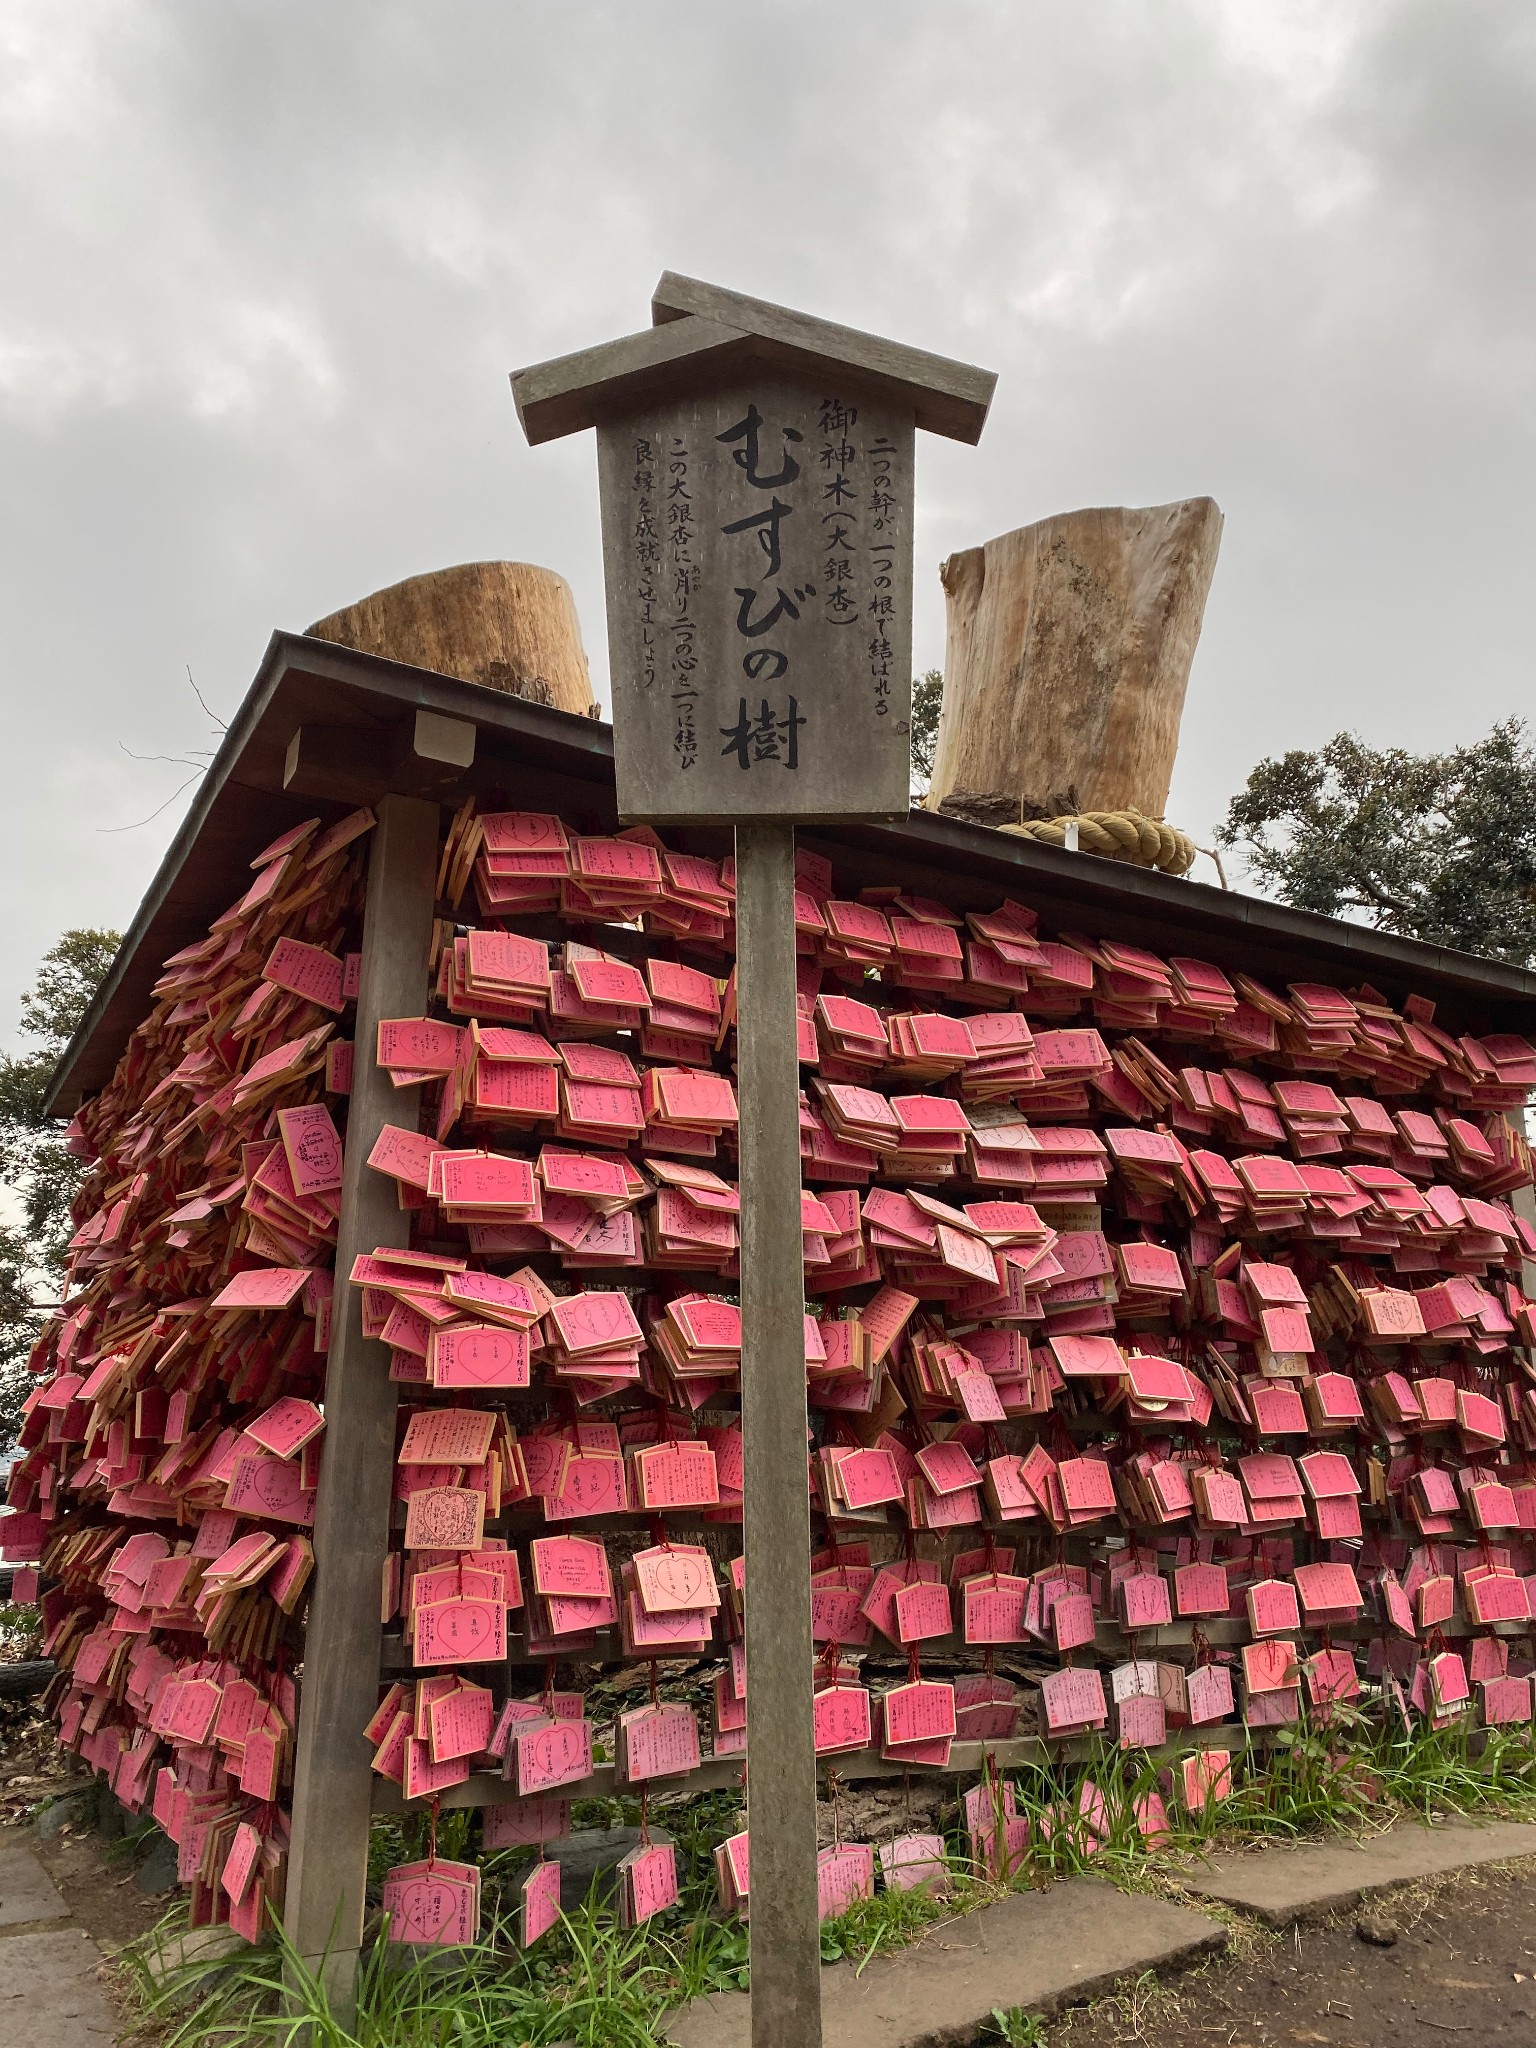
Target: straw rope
pixel 1117 835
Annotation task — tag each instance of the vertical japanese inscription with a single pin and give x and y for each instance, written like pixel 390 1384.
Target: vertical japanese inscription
pixel 645 542
pixel 757 547
pixel 839 496
pixel 759 733
pixel 684 582
pixel 886 527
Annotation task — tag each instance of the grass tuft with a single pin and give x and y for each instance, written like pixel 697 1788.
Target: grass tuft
pixel 1013 2025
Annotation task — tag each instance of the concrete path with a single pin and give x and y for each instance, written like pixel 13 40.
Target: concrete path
pixel 50 1994
pixel 1045 1950
pixel 1279 1886
pixel 1038 1950
pixel 28 1895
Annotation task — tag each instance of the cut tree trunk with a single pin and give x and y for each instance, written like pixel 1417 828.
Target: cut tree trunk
pixel 509 625
pixel 1068 655
pixel 25 1681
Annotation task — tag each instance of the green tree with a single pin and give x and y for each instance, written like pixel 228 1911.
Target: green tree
pixel 1440 847
pixel 37 1176
pixel 927 703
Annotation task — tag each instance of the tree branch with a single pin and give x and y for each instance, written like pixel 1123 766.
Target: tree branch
pixel 1379 896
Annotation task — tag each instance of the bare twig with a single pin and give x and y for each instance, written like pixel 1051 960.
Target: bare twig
pixel 198 761
pixel 222 724
pixel 156 811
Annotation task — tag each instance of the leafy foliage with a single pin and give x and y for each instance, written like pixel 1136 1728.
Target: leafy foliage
pixel 1440 847
pixel 36 1172
pixel 927 703
pixel 1015 2027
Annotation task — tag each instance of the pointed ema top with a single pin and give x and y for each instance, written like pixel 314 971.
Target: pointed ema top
pixel 702 327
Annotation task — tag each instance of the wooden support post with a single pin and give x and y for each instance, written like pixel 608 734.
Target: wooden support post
pixel 333 1784
pixel 781 1788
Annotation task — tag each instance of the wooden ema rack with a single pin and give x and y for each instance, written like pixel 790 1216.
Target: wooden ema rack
pixel 276 1805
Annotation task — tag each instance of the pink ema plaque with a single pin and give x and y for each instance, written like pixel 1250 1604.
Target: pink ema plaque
pixel 433 1903
pixel 540 1907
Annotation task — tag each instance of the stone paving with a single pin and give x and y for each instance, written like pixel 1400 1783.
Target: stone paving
pixel 1041 1951
pixel 51 1994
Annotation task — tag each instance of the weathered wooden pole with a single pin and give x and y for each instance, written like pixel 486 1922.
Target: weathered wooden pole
pixel 333 1779
pixel 781 1772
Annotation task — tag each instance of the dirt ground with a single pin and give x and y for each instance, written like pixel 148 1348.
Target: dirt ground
pixel 98 1887
pixel 96 1877
pixel 1451 1961
pixel 32 1766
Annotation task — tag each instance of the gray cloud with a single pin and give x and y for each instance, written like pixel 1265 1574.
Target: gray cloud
pixel 264 267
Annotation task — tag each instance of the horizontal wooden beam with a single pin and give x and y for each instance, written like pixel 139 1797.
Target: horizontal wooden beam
pixel 1110 1640
pixel 421 755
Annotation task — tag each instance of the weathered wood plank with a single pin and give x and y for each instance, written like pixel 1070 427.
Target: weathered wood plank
pixel 748 688
pixel 570 393
pixel 948 397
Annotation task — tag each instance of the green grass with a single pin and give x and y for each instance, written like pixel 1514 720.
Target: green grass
pixel 20 1632
pixel 589 1982
pixel 600 1986
pixel 891 1919
pixel 1015 2027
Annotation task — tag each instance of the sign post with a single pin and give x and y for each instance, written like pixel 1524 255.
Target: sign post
pixel 785 1938
pixel 755 474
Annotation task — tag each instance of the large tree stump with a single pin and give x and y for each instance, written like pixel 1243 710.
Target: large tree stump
pixel 1068 655
pixel 509 625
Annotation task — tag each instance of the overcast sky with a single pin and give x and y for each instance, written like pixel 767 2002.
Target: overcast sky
pixel 264 267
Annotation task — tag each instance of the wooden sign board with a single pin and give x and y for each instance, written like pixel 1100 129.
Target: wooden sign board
pixel 757 543
pixel 755 467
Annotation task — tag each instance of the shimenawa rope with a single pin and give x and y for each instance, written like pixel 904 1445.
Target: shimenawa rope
pixel 1116 835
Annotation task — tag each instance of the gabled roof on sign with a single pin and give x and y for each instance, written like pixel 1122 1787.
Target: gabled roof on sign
pixel 701 328
pixel 359 707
